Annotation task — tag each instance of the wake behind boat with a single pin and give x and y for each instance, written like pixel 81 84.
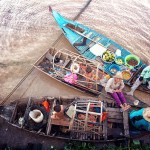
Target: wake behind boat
pixel 83 119
pixel 95 46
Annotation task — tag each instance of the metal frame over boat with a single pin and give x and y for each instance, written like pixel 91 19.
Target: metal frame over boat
pixel 58 63
pixel 88 38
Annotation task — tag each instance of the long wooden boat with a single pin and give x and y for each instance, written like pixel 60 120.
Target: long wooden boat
pixel 110 124
pixel 92 44
pixel 70 68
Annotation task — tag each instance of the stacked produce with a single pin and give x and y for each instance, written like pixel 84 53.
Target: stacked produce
pixel 108 56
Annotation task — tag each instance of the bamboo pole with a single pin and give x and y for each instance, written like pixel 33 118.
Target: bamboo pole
pixel 92 113
pixel 86 116
pixel 73 117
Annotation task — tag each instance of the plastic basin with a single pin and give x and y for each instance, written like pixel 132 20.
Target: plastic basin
pixel 130 61
pixel 117 60
pixel 106 61
pixel 113 69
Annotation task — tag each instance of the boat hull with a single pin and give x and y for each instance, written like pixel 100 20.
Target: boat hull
pixel 59 71
pixel 108 132
pixel 20 108
pixel 83 39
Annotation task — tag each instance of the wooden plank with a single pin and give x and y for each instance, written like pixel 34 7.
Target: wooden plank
pixel 83 111
pixel 48 129
pixel 113 120
pixel 61 122
pixel 14 113
pixel 105 127
pixel 26 111
pixel 130 100
pixel 101 111
pixel 87 115
pixel 116 132
pixel 126 123
pixel 73 117
pixel 104 124
pixel 114 115
pixel 109 109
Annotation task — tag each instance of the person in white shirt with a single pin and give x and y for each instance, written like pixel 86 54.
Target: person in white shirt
pixel 114 87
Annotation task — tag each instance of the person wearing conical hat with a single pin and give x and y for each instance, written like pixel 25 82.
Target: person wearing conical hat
pixel 144 78
pixel 114 87
pixel 140 119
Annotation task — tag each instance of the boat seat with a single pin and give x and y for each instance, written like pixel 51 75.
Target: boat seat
pixel 112 47
pixel 89 34
pixel 89 43
pixel 61 122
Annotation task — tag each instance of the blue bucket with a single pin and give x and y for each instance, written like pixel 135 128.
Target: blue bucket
pixel 113 69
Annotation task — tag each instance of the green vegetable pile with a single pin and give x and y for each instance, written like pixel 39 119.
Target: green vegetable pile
pixel 108 56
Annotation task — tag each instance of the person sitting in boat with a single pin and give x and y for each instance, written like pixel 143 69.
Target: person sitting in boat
pixel 82 68
pixel 140 119
pixel 71 77
pixel 87 72
pixel 58 112
pixel 89 75
pixel 144 78
pixel 114 87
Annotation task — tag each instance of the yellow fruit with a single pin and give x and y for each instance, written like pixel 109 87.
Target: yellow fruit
pixel 107 76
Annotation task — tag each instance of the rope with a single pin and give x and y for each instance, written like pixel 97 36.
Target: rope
pixel 29 72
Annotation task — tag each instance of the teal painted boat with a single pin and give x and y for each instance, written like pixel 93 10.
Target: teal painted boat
pixel 93 45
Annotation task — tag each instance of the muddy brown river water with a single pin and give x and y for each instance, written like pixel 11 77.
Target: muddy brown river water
pixel 27 29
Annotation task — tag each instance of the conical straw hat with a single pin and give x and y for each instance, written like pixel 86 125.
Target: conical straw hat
pixel 146 114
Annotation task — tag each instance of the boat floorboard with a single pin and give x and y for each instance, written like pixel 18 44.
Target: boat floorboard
pixel 62 122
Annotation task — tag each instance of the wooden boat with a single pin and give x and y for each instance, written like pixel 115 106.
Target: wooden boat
pixel 59 64
pixel 110 124
pixel 89 42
